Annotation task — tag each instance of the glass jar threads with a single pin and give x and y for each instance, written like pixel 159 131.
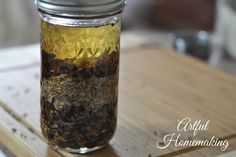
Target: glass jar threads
pixel 80 46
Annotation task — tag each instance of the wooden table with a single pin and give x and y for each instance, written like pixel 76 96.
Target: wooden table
pixel 157 88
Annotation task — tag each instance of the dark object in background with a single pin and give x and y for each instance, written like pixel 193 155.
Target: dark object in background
pixel 194 43
pixel 232 4
pixel 187 14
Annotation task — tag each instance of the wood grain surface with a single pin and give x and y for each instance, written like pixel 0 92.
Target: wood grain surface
pixel 157 88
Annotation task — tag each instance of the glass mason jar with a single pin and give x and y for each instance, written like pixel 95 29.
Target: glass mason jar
pixel 80 46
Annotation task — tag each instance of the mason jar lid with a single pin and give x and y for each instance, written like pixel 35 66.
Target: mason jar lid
pixel 81 8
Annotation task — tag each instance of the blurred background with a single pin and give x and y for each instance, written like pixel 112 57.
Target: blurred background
pixel 204 29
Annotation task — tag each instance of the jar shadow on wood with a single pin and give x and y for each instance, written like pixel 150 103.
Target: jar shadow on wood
pixel 108 150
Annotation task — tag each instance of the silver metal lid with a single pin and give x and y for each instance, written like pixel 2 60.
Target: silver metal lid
pixel 82 8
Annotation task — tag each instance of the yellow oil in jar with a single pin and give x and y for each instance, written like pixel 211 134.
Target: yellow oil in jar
pixel 78 43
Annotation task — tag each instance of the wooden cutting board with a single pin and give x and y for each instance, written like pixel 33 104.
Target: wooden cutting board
pixel 157 88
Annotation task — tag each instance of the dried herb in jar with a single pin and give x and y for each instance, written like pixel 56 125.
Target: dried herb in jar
pixel 79 91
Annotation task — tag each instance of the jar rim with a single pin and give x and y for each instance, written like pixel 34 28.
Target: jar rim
pixel 80 22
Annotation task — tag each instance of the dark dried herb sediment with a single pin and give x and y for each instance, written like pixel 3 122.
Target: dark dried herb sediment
pixel 79 101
